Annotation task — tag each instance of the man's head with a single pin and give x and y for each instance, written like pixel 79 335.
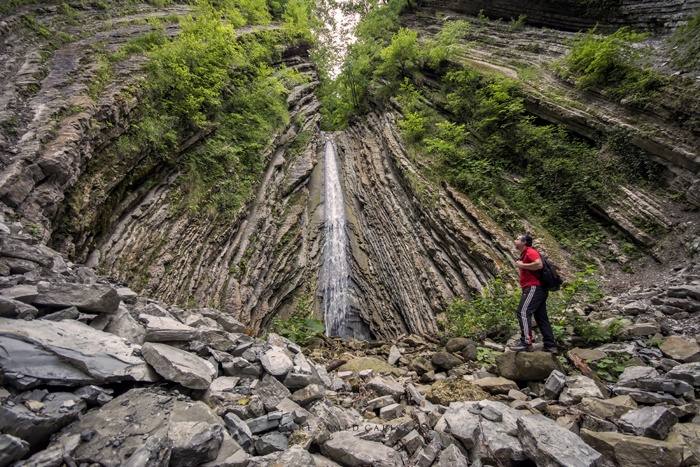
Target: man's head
pixel 522 241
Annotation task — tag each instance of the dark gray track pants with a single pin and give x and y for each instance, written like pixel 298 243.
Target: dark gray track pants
pixel 533 302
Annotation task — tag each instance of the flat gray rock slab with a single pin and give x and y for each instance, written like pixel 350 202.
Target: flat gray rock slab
pixel 352 451
pixel 66 353
pixel 688 372
pixel 165 329
pixel 654 422
pixel 179 366
pixel 91 298
pixel 12 449
pixel 136 429
pixel 551 445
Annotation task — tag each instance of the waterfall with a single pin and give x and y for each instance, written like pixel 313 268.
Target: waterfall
pixel 336 271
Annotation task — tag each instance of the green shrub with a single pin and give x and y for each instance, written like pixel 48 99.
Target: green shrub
pixel 610 368
pixel 439 50
pixel 298 328
pixel 206 84
pixel 582 290
pixel 400 58
pixel 299 20
pixel 613 64
pixel 187 75
pixel 490 314
pixel 686 45
pixel 518 24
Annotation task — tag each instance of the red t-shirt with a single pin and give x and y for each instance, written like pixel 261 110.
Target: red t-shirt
pixel 529 278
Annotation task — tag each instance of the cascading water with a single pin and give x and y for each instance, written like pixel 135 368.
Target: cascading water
pixel 336 271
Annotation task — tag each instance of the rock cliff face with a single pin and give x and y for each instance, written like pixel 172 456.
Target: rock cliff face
pixel 575 15
pixel 412 253
pixel 253 267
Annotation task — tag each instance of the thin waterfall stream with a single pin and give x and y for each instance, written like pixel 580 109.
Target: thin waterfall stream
pixel 336 270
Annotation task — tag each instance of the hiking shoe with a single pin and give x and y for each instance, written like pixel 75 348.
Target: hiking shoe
pixel 520 347
pixel 551 349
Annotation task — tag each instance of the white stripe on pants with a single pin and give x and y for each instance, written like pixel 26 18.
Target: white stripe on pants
pixel 523 314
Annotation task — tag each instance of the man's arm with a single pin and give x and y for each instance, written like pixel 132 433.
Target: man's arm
pixel 534 266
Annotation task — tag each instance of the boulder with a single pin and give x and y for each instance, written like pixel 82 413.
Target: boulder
pixel 25 293
pixel 165 329
pixel 271 442
pixel 11 247
pixel 446 360
pixel 194 443
pixel 352 451
pixel 12 449
pixel 466 348
pixel 412 442
pixel 179 366
pixel 265 422
pixel 35 416
pixel 390 411
pixel 239 430
pixel 124 325
pixel 302 373
pixel 549 444
pixel 604 408
pixel 421 365
pixel 587 355
pixel 135 429
pixel 495 384
pixel 276 362
pixel 271 391
pixel 66 353
pixel 239 366
pixel 127 295
pixel 385 386
pixel 11 308
pixel 637 451
pixel 91 298
pixel 646 397
pixel 66 313
pixel 632 374
pixel 394 355
pixel 488 429
pixel 688 436
pixel 641 329
pixel 578 387
pixel 680 348
pixel 526 366
pixel 308 394
pixel 555 384
pixel 379 402
pixel 688 372
pixel 653 422
pixel 451 456
pixel 55 454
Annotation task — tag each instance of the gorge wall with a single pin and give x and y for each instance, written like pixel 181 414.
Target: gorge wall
pixel 414 246
pixel 575 15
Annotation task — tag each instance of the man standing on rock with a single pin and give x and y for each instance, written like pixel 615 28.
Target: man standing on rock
pixel 533 300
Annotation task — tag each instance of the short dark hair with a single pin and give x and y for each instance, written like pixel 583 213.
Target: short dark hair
pixel 527 238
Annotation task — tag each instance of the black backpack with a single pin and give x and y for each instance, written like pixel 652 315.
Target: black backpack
pixel 549 275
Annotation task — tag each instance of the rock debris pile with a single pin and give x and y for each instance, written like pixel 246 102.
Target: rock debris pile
pixel 93 374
